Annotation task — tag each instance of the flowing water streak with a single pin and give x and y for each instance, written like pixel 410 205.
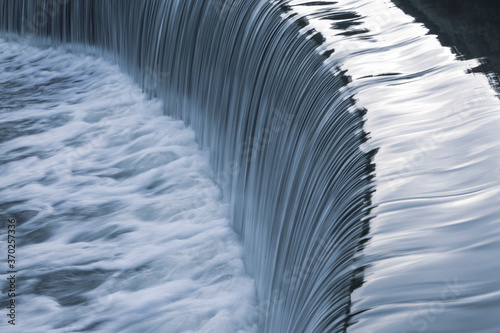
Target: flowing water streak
pixel 283 128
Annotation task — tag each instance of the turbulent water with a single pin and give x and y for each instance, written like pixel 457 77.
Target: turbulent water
pixel 120 226
pixel 358 158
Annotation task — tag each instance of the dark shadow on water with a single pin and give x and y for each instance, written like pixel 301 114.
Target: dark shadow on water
pixel 470 27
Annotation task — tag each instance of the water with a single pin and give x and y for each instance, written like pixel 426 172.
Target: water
pixel 435 230
pixel 358 156
pixel 120 225
pixel 287 157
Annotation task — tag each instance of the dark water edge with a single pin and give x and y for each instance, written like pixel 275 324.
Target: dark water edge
pixel 470 27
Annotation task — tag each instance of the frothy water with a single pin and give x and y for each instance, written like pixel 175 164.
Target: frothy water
pixel 120 225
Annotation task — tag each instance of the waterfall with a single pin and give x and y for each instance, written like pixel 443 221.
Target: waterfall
pixel 283 128
pixel 357 154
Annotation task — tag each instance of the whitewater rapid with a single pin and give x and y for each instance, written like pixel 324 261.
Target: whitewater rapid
pixel 120 227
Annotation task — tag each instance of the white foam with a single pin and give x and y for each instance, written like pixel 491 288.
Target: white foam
pixel 134 236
